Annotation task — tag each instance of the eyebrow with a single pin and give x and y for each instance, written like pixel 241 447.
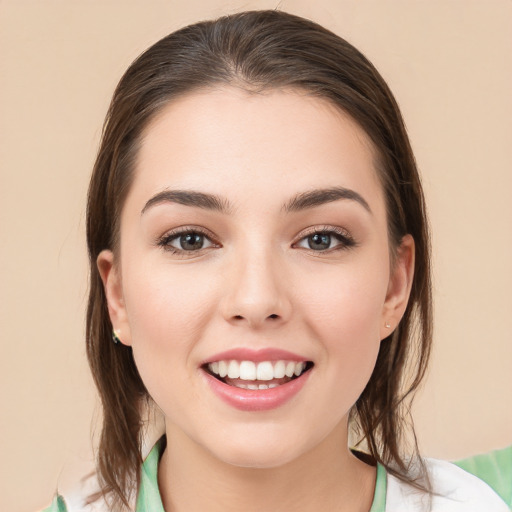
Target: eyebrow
pixel 317 197
pixel 301 201
pixel 190 198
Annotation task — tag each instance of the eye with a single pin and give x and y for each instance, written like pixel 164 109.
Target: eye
pixel 189 240
pixel 324 239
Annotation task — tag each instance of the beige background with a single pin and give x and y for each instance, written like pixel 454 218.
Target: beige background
pixel 449 65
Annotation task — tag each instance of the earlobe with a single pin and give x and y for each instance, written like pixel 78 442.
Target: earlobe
pixel 399 287
pixel 111 278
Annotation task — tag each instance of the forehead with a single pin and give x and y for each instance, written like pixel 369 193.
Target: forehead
pixel 271 145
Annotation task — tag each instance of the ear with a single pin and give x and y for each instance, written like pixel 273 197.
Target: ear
pixel 111 277
pixel 399 287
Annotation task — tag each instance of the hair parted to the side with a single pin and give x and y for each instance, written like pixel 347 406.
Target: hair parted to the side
pixel 258 51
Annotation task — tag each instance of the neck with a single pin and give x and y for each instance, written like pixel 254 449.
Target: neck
pixel 327 478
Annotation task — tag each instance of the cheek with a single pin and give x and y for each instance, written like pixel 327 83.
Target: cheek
pixel 164 302
pixel 345 302
pixel 343 310
pixel 167 312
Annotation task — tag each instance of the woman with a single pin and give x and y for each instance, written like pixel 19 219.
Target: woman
pixel 260 273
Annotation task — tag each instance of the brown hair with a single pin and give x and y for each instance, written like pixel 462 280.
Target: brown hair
pixel 258 51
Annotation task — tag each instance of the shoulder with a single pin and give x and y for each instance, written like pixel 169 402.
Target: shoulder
pixel 75 502
pixel 58 505
pixel 76 497
pixel 494 468
pixel 454 490
pixel 75 490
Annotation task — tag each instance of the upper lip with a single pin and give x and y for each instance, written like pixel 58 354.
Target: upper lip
pixel 247 354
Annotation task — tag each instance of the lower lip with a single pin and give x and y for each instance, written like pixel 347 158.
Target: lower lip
pixel 256 399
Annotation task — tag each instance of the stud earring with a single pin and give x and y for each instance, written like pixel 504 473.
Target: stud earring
pixel 387 325
pixel 115 337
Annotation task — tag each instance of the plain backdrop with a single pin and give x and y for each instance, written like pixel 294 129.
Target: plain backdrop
pixel 449 65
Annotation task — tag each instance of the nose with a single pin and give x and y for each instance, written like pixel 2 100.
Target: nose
pixel 257 291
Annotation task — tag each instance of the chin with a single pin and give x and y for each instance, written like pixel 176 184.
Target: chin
pixel 257 460
pixel 260 453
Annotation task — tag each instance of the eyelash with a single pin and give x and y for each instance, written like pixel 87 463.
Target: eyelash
pixel 345 239
pixel 165 241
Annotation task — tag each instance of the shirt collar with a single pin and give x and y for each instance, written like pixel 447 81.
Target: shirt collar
pixel 149 495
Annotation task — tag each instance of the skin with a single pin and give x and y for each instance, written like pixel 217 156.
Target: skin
pixel 257 283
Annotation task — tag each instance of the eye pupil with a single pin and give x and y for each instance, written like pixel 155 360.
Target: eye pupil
pixel 319 241
pixel 191 241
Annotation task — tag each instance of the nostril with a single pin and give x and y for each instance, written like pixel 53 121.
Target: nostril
pixel 273 316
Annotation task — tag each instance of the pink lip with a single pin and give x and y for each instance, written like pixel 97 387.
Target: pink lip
pixel 256 399
pixel 247 354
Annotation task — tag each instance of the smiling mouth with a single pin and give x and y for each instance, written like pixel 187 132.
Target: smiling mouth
pixel 257 375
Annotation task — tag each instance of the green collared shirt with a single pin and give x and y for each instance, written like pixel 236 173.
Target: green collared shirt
pixel 494 468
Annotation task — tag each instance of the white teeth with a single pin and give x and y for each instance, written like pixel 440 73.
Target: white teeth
pixel 223 368
pixel 249 370
pixel 279 370
pixel 265 371
pixel 255 386
pixel 233 370
pixel 290 369
pixel 298 368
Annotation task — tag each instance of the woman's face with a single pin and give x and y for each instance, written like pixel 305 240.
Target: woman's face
pixel 254 240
